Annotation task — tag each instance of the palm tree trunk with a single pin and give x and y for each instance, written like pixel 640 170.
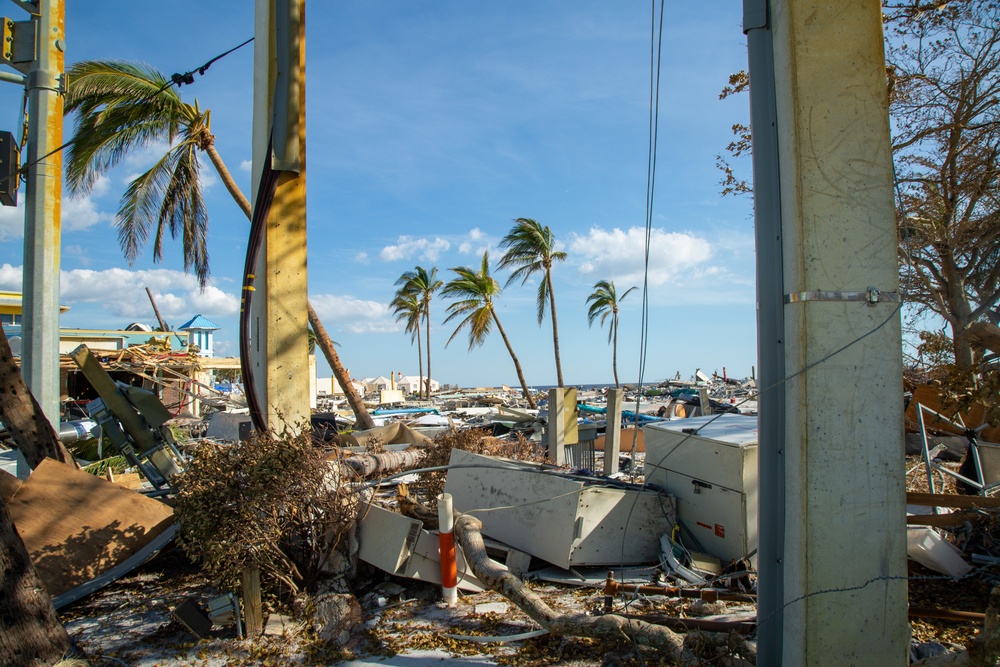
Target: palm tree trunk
pixel 364 420
pixel 517 364
pixel 555 327
pixel 420 361
pixel 614 349
pixel 21 414
pixel 228 181
pixel 30 632
pixel 427 314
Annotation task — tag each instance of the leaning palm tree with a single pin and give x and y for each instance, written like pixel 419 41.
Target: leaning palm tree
pixel 604 302
pixel 406 307
pixel 532 249
pixel 476 291
pixel 422 284
pixel 123 107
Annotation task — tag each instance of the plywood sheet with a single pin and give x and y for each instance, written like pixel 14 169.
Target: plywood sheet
pixel 77 526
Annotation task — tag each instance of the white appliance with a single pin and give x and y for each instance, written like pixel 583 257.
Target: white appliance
pixel 709 464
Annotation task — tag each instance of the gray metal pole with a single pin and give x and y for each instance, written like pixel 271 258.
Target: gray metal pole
pixel 42 220
pixel 770 332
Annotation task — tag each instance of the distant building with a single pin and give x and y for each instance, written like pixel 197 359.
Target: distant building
pixel 376 384
pixel 411 384
pixel 200 332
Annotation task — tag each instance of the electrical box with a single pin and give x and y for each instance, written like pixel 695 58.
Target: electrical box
pixel 709 464
pixel 10 162
pixel 17 43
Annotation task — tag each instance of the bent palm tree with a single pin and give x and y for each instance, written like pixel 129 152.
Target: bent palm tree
pixel 122 107
pixel 532 249
pixel 422 284
pixel 407 307
pixel 476 291
pixel 603 302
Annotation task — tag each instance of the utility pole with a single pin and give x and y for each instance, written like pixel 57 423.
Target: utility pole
pixel 43 207
pixel 280 354
pixel 832 558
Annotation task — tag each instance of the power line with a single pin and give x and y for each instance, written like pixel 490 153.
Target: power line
pixel 175 80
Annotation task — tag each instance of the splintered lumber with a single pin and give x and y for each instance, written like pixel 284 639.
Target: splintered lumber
pixel 612 627
pixel 952 500
pixel 77 526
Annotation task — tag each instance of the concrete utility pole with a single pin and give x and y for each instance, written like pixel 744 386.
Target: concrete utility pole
pixel 43 209
pixel 832 546
pixel 279 312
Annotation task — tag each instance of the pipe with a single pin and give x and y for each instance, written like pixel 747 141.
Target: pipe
pixel 449 567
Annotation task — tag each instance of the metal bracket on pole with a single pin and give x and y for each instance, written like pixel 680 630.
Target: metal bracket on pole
pixel 871 296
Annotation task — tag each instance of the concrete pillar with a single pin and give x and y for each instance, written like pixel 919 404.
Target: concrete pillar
pixel 279 312
pixel 561 429
pixel 613 434
pixel 844 537
pixel 43 211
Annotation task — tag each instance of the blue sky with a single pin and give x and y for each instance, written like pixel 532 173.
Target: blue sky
pixel 431 126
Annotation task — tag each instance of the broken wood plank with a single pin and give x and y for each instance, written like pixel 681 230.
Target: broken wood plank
pixel 952 500
pixel 943 520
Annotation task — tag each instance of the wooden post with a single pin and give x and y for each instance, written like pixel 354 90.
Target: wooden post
pixel 253 615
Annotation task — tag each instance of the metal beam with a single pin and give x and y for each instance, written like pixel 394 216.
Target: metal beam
pixel 43 211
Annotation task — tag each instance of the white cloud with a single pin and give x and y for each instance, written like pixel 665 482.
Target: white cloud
pixel 245 165
pixel 475 234
pixel 362 258
pixel 619 255
pixel 355 315
pixel 407 247
pixel 12 221
pixel 121 292
pixel 10 278
pixel 80 213
pixel 465 248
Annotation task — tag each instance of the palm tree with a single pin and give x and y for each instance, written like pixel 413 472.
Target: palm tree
pixel 122 107
pixel 407 307
pixel 604 302
pixel 476 291
pixel 532 249
pixel 363 420
pixel 422 284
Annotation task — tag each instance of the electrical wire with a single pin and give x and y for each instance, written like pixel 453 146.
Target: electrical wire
pixel 258 223
pixel 175 80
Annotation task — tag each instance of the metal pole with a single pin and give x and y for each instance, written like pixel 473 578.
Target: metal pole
pixel 770 332
pixel 42 214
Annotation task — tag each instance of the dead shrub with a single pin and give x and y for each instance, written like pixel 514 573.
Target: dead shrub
pixel 269 502
pixel 431 484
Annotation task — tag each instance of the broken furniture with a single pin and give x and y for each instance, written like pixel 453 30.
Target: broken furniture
pixel 401 546
pixel 133 419
pixel 565 520
pixel 982 458
pixel 710 465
